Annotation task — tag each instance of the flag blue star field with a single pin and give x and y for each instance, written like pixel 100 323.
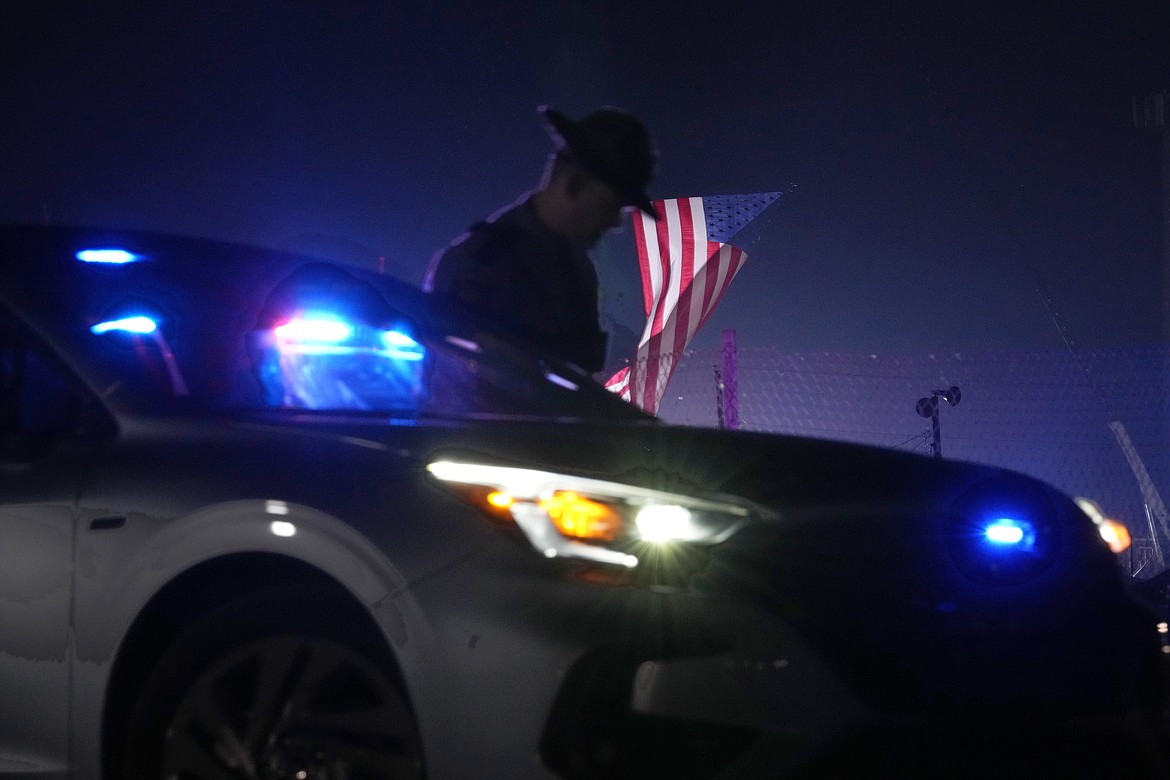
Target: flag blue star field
pixel 687 263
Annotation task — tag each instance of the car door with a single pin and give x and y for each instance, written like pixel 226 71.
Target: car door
pixel 40 472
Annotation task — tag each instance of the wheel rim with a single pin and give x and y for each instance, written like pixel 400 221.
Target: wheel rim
pixel 297 707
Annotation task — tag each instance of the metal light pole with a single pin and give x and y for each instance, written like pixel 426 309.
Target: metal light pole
pixel 928 407
pixel 1149 115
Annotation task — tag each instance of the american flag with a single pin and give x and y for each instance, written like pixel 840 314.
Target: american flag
pixel 687 265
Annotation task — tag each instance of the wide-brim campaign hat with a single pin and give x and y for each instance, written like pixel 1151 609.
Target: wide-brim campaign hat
pixel 613 145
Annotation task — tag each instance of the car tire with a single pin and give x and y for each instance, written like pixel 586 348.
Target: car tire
pixel 275 684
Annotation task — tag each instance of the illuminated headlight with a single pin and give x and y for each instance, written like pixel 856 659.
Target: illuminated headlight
pixel 593 519
pixel 1003 532
pixel 1113 532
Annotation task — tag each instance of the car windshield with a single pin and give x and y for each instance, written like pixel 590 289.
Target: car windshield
pixel 155 321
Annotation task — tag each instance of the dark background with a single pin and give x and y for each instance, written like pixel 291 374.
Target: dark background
pixel 957 176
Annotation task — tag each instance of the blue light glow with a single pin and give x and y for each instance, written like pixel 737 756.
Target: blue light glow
pixel 328 335
pixel 323 360
pixel 557 379
pixel 320 330
pixel 127 325
pixel 1005 534
pixel 401 346
pixel 1007 531
pixel 109 256
pixel 394 338
pixel 1004 531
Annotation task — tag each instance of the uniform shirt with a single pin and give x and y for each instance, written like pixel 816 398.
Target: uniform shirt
pixel 528 282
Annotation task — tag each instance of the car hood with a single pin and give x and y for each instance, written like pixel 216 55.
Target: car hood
pixel 771 469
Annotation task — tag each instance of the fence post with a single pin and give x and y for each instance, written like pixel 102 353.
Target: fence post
pixel 730 405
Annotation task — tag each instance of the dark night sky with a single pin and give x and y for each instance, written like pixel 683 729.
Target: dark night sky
pixel 939 158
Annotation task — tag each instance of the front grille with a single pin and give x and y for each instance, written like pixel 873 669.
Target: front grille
pixel 891 614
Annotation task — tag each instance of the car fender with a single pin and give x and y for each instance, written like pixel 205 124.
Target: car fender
pixel 116 586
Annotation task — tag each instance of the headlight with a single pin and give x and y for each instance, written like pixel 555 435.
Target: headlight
pixel 593 519
pixel 1114 532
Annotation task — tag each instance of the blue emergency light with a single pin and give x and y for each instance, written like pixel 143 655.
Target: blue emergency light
pixel 137 324
pixel 108 256
pixel 1010 533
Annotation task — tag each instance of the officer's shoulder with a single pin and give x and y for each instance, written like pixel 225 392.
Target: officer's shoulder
pixel 492 237
pixel 495 230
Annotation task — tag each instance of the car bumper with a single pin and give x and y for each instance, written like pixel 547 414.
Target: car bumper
pixel 581 679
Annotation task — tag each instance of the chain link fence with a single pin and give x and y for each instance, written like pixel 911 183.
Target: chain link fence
pixel 1093 423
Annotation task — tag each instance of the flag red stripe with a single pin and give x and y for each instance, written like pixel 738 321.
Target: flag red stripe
pixel 662 231
pixel 648 378
pixel 686 223
pixel 680 290
pixel 690 210
pixel 710 297
pixel 648 292
pixel 682 319
pixel 656 363
pixel 732 266
pixel 619 383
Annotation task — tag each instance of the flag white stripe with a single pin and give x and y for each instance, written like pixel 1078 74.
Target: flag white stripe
pixel 699 283
pixel 664 300
pixel 636 380
pixel 674 231
pixel 690 258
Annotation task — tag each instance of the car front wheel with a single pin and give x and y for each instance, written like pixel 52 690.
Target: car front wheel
pixel 273 686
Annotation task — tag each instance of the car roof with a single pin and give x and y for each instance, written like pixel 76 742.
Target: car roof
pixel 208 294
